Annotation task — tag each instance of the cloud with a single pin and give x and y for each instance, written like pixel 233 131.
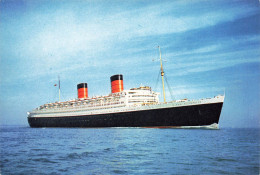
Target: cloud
pixel 213 57
pixel 66 38
pixel 64 32
pixel 193 90
pixel 218 61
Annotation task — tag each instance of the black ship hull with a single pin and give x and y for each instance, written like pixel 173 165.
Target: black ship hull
pixel 195 115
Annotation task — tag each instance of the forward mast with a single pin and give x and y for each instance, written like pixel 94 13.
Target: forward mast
pixel 162 75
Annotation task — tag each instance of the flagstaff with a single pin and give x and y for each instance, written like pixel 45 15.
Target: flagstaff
pixel 59 87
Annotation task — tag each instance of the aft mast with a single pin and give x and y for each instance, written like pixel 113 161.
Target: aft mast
pixel 59 88
pixel 162 74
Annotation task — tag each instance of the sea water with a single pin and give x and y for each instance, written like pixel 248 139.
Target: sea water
pixel 26 150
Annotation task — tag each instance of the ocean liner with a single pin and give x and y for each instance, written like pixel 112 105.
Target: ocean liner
pixel 136 107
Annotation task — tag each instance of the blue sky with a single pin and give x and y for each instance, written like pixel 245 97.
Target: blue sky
pixel 208 46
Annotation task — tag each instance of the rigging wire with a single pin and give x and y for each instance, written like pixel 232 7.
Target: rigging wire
pixel 157 81
pixel 169 87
